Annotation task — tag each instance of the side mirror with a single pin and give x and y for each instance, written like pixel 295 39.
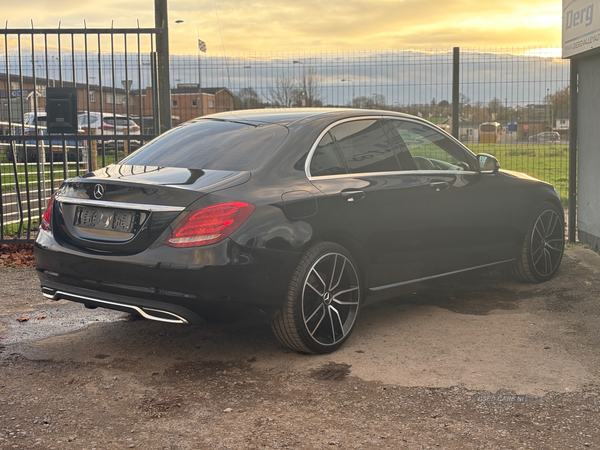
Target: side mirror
pixel 488 163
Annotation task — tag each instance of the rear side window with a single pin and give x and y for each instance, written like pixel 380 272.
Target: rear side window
pixel 325 160
pixel 365 147
pixel 211 145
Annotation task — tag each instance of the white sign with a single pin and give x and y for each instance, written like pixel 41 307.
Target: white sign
pixel 580 26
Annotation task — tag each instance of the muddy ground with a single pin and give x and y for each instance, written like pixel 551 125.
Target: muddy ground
pixel 478 362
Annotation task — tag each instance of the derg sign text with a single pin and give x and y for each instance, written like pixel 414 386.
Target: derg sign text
pixel 580 17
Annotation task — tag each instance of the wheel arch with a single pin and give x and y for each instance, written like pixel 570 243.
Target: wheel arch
pixel 350 243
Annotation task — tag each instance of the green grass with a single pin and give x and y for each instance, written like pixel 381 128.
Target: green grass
pixel 546 162
pixel 7 174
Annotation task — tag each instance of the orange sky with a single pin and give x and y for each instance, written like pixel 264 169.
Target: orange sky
pixel 314 25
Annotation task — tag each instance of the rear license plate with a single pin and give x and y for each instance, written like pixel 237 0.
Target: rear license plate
pixel 104 219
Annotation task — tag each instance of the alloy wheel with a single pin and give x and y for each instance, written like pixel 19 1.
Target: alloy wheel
pixel 547 243
pixel 330 299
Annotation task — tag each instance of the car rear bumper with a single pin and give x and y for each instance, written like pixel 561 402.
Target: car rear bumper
pixel 172 282
pixel 149 309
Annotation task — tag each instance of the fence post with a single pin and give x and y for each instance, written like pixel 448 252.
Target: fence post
pixel 455 90
pixel 161 20
pixel 125 145
pixel 93 152
pixel 573 152
pixel 42 162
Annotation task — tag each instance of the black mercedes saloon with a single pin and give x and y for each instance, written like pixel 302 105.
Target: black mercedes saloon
pixel 304 214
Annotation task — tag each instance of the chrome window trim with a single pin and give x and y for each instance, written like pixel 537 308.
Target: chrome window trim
pixel 401 172
pixel 408 172
pixel 118 205
pixel 323 133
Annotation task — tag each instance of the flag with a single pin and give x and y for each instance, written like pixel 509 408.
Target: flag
pixel 201 45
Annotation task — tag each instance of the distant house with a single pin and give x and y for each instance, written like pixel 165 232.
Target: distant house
pixel 111 99
pixel 184 101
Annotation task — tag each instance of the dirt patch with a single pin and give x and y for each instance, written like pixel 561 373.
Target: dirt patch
pixel 479 362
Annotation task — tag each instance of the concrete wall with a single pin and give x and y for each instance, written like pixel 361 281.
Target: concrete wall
pixel 588 211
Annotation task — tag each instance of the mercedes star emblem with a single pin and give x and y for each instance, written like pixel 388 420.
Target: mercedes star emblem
pixel 98 191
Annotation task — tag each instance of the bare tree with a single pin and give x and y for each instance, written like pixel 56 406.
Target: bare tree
pixel 376 101
pixel 310 88
pixel 246 98
pixel 284 93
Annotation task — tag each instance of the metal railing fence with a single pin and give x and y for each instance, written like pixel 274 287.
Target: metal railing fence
pixel 114 72
pixel 520 94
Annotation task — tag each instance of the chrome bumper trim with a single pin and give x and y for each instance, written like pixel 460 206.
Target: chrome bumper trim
pixel 118 205
pixel 61 294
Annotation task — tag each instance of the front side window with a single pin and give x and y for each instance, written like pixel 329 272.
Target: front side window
pixel 430 149
pixel 365 147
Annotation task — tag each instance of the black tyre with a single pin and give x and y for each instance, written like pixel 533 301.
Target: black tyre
pixel 322 303
pixel 544 245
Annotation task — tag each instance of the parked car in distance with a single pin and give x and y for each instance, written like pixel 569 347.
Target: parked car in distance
pixel 304 214
pixel 110 124
pixel 29 124
pixel 547 137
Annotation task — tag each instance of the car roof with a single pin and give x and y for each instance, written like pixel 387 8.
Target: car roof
pixel 289 116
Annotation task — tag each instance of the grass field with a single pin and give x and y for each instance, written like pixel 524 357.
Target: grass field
pixel 547 162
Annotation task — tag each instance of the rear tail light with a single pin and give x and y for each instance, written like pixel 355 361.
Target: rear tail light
pixel 135 128
pixel 210 225
pixel 107 127
pixel 47 217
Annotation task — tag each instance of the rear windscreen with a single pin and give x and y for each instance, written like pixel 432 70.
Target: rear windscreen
pixel 211 145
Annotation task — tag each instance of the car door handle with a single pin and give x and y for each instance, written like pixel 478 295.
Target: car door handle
pixel 352 195
pixel 439 185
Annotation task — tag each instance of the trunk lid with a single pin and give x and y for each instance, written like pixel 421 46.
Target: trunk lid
pixel 125 209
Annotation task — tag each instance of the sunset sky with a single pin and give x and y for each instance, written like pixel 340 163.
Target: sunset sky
pixel 314 25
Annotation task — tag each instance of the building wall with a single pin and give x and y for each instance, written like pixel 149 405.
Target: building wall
pixel 588 112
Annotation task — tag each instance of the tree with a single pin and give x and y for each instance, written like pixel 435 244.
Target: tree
pixel 302 91
pixel 560 100
pixel 284 93
pixel 379 100
pixel 246 98
pixel 373 102
pixel 309 86
pixel 495 106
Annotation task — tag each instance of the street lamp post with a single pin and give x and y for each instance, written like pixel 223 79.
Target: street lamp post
pixel 201 105
pixel 303 93
pixel 247 76
pixel 348 80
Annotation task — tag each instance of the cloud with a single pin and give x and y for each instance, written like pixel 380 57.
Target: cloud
pixel 314 25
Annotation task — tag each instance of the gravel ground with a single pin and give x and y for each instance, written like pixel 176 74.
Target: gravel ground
pixel 476 362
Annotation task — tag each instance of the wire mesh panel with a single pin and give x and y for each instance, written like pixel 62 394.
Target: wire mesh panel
pixel 113 73
pixel 512 102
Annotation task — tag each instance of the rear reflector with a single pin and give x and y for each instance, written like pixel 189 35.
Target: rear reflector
pixel 210 225
pixel 47 217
